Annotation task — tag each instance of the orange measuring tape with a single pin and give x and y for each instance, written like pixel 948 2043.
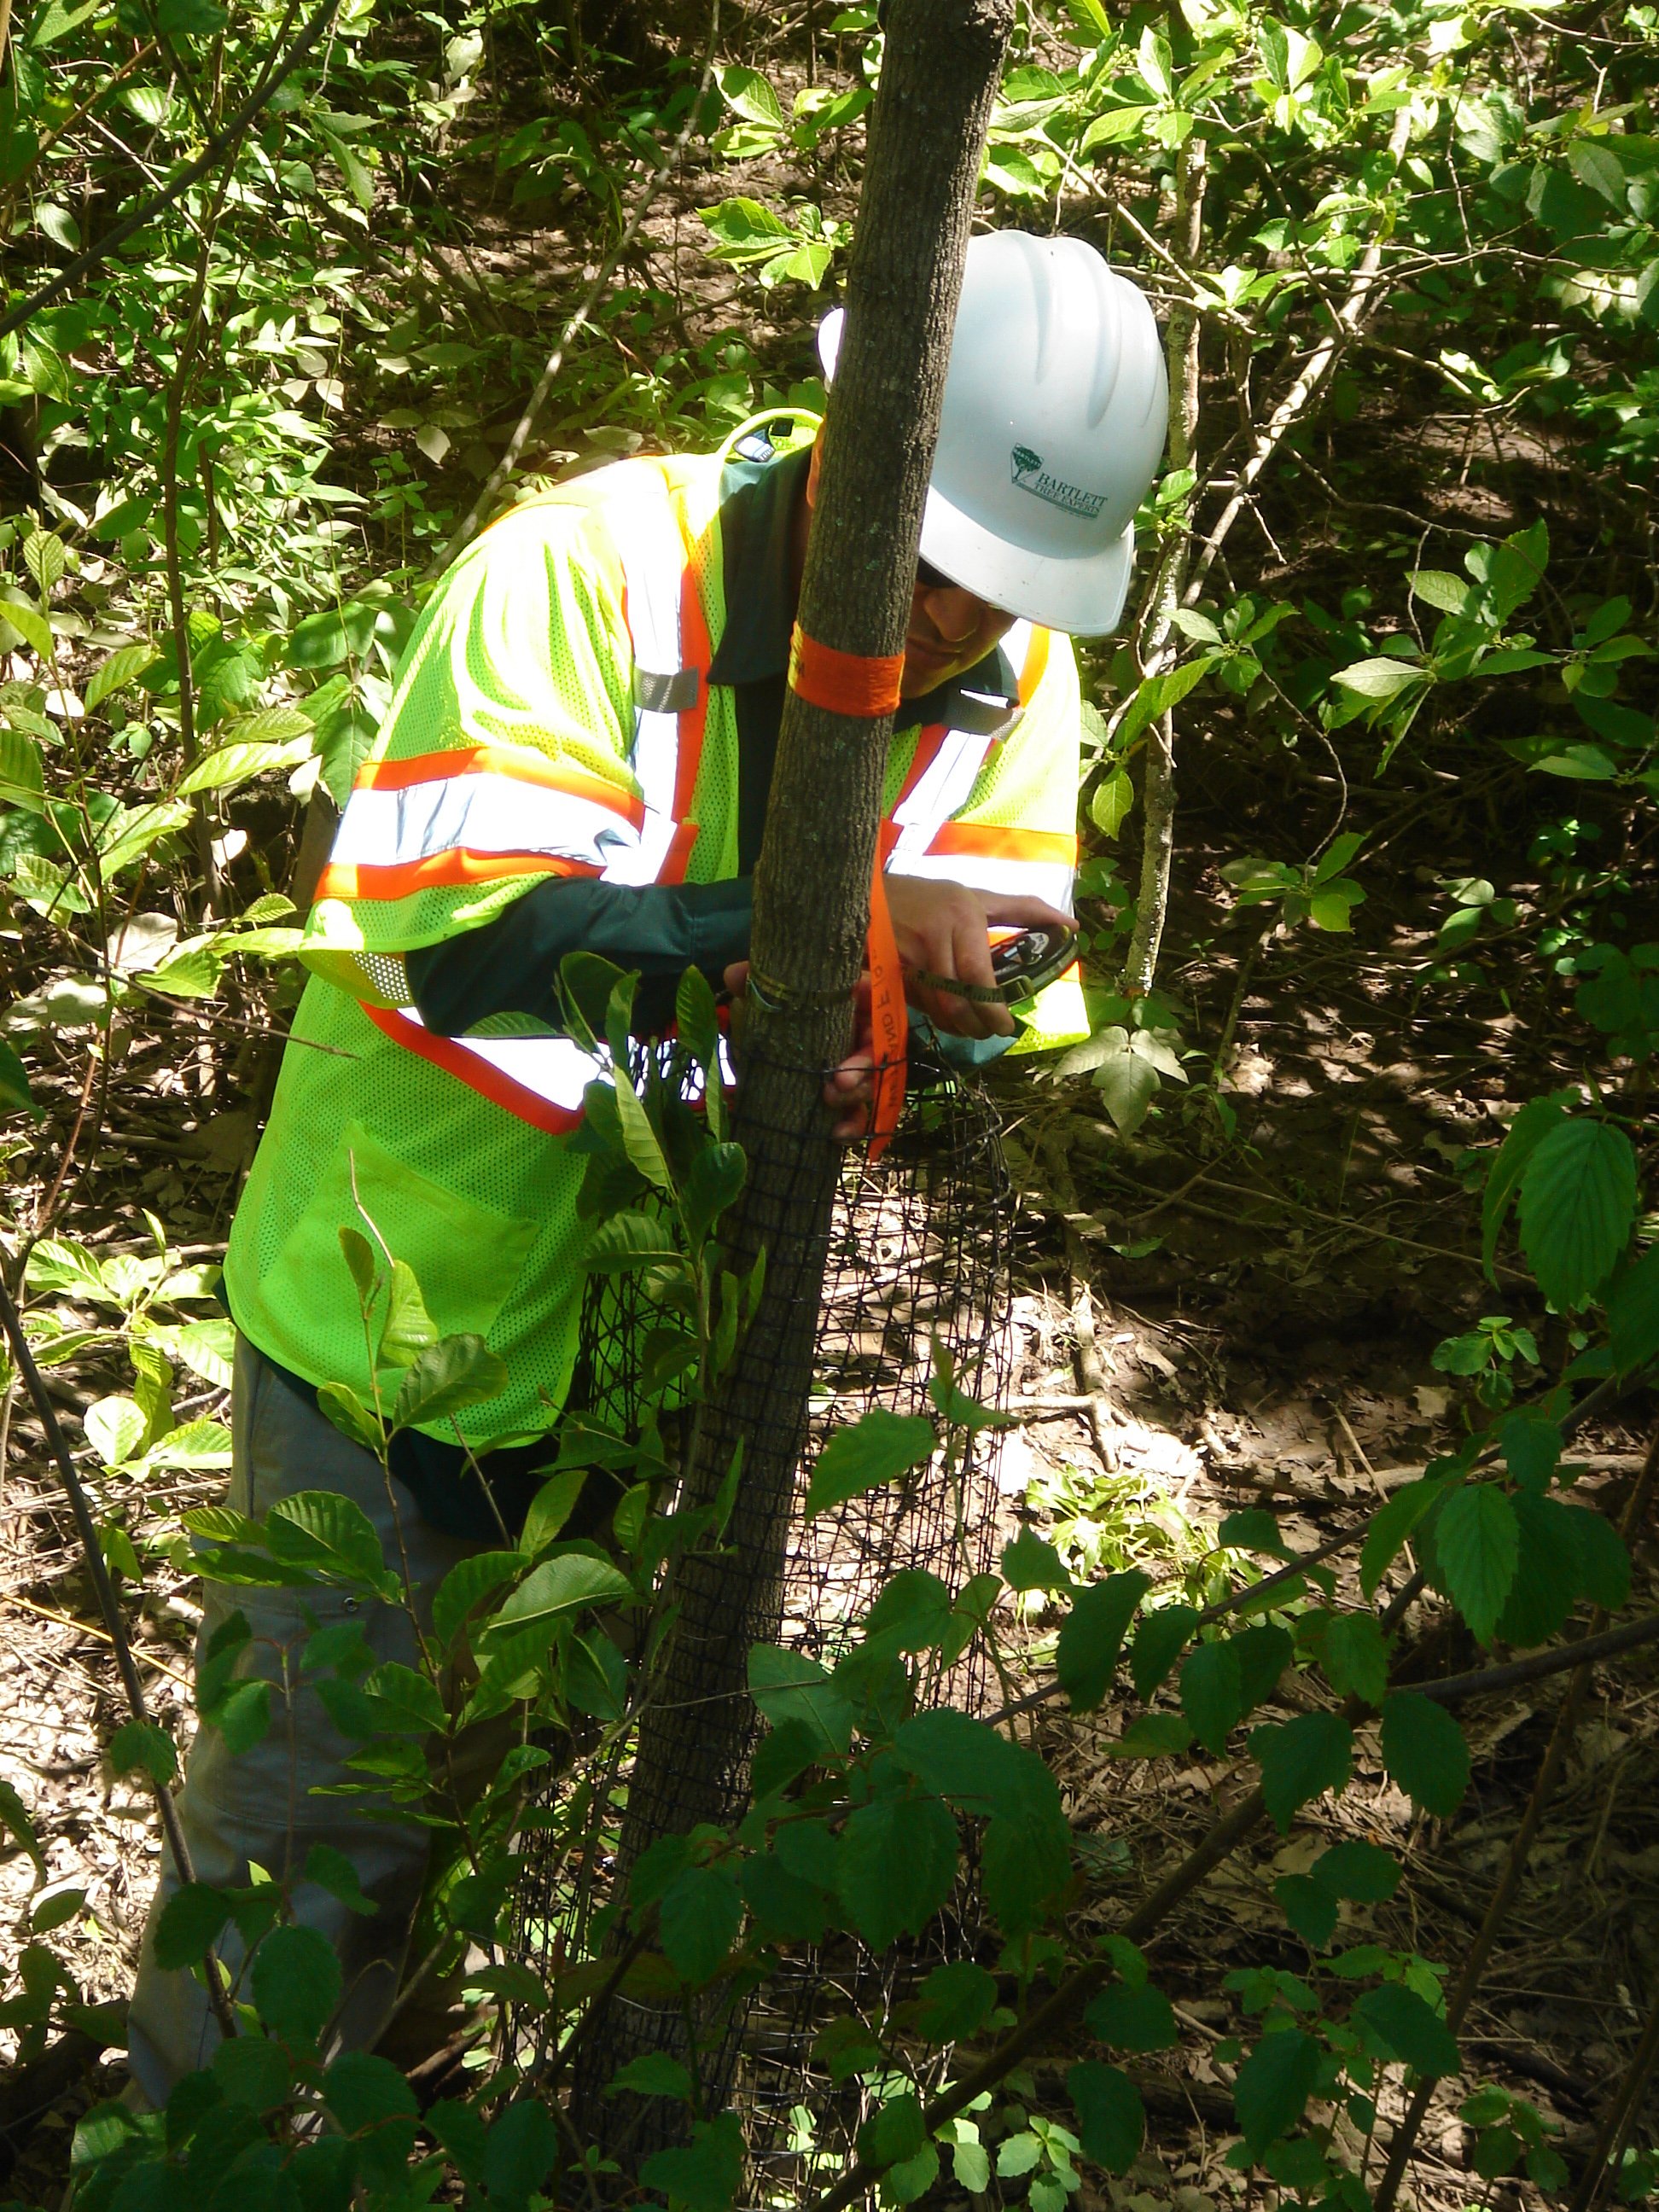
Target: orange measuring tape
pixel 843 683
pixel 890 1019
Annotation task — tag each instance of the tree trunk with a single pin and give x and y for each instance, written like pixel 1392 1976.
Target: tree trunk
pixel 811 904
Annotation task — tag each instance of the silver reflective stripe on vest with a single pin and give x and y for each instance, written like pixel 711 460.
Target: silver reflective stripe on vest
pixel 647 540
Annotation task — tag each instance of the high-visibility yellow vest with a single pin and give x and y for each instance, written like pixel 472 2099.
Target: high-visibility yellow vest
pixel 553 717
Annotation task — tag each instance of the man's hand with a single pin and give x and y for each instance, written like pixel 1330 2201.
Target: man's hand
pixel 944 927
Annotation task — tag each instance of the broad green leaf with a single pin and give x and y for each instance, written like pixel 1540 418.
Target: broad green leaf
pixel 1577 1203
pixel 1158 1642
pixel 550 1508
pixel 468 1585
pixel 1396 2023
pixel 1477 1544
pixel 791 1685
pixel 638 1138
pixel 32 627
pixel 295 1981
pixel 706 2178
pixel 141 1748
pixel 15 1096
pixel 456 1372
pixel 1031 1562
pixel 1391 1525
pixel 1300 1759
pixel 699 1916
pixel 1381 678
pixel 122 667
pixel 896 1866
pixel 325 1528
pixel 875 1449
pixel 1537 1119
pixel 1111 2120
pixel 409 1330
pixel 564 1584
pixel 1547 1581
pixel 1603 1560
pixel 1423 1750
pixel 1112 802
pixel 193 1443
pixel 1365 1872
pixel 14 1821
pixel 653 2074
pixel 1273 2086
pixel 21 781
pixel 630 1240
pixel 341 1405
pixel 785 1908
pixel 228 767
pixel 518 2156
pixel 115 1429
pixel 713 1183
pixel 955 2001
pixel 1451 595
pixel 331 1869
pixel 1311 1910
pixel 189 1921
pixel 1212 1693
pixel 1355 1657
pixel 1130 2018
pixel 748 94
pixel 1633 1313
pixel 1092 1636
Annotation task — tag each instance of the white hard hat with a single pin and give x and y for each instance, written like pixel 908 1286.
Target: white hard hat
pixel 1056 407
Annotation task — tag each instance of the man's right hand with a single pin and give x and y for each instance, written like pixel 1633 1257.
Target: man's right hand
pixel 945 928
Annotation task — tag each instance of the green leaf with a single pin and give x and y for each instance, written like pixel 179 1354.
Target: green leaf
pixel 15 1820
pixel 325 1528
pixel 468 1583
pixel 896 1866
pixel 1526 1133
pixel 373 2104
pixel 518 2157
pixel 550 1508
pixel 1111 2120
pixel 1212 1693
pixel 1133 2017
pixel 1300 1759
pixel 955 2001
pixel 22 779
pixel 653 2074
pixel 1423 1750
pixel 410 1330
pixel 228 767
pixel 189 1921
pixel 1603 1562
pixel 1365 1872
pixel 1391 1524
pixel 1031 1562
pixel 361 1258
pixel 1273 2086
pixel 785 1908
pixel 700 1914
pixel 630 1240
pixel 1477 1543
pixel 1547 1575
pixel 141 1748
pixel 564 1584
pixel 1092 1636
pixel 790 1686
pixel 331 1869
pixel 1577 1203
pixel 715 1180
pixel 1355 1657
pixel 16 1096
pixel 1112 802
pixel 638 1138
pixel 748 94
pixel 1311 1910
pixel 1396 2023
pixel 457 1371
pixel 1633 1313
pixel 706 2178
pixel 1381 678
pixel 875 1449
pixel 1158 1642
pixel 33 628
pixel 295 1980
pixel 341 1405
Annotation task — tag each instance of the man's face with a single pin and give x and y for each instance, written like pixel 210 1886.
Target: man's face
pixel 949 630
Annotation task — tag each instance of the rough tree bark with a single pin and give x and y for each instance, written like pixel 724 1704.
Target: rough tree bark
pixel 811 904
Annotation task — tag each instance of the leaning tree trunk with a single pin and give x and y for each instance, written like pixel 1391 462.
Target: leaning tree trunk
pixel 813 888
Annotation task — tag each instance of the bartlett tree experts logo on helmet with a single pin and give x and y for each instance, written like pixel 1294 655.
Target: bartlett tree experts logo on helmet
pixel 1030 476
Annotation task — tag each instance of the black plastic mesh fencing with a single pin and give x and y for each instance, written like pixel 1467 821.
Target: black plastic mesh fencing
pixel 916 1248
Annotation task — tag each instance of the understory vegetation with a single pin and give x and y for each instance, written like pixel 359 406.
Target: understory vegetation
pixel 1297 1850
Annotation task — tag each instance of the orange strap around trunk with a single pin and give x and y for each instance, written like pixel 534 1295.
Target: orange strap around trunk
pixel 889 1021
pixel 843 683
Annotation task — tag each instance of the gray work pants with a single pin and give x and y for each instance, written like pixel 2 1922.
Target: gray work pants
pixel 254 1809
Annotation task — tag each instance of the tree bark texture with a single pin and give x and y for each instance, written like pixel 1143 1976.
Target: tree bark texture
pixel 1181 349
pixel 812 905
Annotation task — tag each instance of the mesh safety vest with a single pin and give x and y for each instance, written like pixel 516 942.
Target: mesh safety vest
pixel 553 717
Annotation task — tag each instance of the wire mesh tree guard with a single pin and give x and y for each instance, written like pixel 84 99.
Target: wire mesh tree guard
pixel 916 1258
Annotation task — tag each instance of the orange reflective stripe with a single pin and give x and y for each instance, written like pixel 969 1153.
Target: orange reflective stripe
pixel 696 653
pixel 1037 662
pixel 477 1074
pixel 889 1021
pixel 350 880
pixel 988 841
pixel 677 858
pixel 500 760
